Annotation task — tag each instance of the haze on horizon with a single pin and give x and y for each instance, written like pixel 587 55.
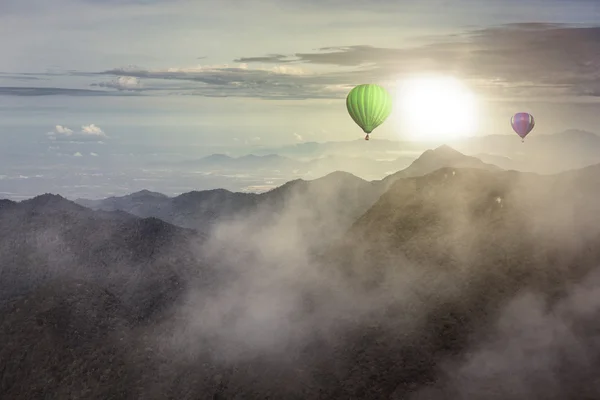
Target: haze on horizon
pixel 101 85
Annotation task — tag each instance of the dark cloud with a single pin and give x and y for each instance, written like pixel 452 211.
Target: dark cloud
pixel 535 55
pixel 19 77
pixel 50 91
pixel 269 58
pixel 224 81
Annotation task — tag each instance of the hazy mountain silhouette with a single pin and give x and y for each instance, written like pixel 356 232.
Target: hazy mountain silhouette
pixel 355 148
pixel 431 160
pixel 542 152
pixel 432 291
pixel 201 210
pixel 315 167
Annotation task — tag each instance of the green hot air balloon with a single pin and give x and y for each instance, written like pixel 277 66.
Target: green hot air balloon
pixel 369 106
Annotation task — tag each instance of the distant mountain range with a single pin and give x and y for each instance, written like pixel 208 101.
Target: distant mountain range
pixel 353 195
pixel 335 288
pixel 273 163
pixel 541 153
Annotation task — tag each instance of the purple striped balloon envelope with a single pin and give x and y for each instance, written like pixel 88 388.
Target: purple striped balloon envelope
pixel 522 123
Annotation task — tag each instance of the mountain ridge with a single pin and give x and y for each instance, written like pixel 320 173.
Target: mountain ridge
pixel 203 210
pixel 417 278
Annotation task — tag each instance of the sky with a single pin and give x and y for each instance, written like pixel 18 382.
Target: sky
pixel 189 77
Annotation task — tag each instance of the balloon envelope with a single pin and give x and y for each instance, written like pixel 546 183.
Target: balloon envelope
pixel 522 123
pixel 369 106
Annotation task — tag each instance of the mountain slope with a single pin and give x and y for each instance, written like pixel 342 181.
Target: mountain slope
pixel 458 215
pixel 137 203
pixel 434 159
pixel 49 237
pixel 328 204
pixel 473 240
pixel 59 340
pixel 419 276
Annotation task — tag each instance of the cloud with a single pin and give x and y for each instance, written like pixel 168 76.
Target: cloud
pixel 269 58
pixel 298 137
pixel 94 154
pixel 515 59
pixel 62 130
pixel 86 134
pixel 4 75
pixel 525 60
pixel 50 91
pixel 202 70
pixel 78 154
pixel 92 130
pixel 267 82
pixel 121 83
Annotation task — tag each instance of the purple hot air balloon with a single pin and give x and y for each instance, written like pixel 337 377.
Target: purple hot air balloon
pixel 522 123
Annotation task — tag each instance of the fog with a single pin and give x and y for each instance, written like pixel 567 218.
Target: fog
pixel 438 289
pixel 535 349
pixel 279 298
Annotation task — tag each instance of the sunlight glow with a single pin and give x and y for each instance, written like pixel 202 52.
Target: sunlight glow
pixel 436 108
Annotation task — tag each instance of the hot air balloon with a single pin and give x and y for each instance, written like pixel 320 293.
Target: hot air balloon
pixel 522 123
pixel 369 106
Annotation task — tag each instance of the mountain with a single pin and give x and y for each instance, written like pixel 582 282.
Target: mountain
pixel 326 205
pixel 349 148
pixel 360 166
pixel 49 237
pixel 501 161
pixel 139 203
pixel 440 157
pixel 542 152
pixel 468 241
pixel 398 306
pixel 60 339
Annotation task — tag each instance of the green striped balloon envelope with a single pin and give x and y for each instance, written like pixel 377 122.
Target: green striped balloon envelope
pixel 369 106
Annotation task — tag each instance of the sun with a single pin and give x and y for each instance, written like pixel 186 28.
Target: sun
pixel 436 108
